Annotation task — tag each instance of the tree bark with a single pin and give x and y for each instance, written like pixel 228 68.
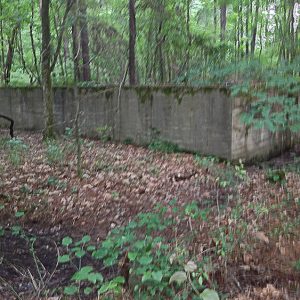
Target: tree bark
pixel 241 23
pixel 254 28
pixel 33 44
pixel 60 59
pixel 132 41
pixel 189 37
pixel 247 27
pixel 84 40
pixel 223 21
pixel 2 40
pixel 10 54
pixel 46 71
pixel 76 47
pixel 215 17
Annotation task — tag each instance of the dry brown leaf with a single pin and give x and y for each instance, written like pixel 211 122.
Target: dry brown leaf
pixel 261 236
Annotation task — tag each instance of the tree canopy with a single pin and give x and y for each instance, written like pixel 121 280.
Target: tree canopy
pixel 176 40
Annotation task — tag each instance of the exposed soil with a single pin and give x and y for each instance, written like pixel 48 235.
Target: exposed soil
pixel 120 181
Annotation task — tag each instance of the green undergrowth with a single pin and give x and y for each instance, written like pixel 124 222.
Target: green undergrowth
pixel 147 259
pixel 226 173
pixel 15 150
pixel 151 264
pixel 164 146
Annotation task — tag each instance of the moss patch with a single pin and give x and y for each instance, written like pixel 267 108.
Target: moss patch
pixel 145 93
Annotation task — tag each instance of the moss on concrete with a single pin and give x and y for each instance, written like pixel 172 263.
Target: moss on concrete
pixel 145 93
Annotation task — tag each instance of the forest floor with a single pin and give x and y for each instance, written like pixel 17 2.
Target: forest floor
pixel 250 227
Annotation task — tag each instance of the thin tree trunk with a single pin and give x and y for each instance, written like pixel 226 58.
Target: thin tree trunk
pixel 223 21
pixel 267 27
pixel 292 30
pixel 132 41
pixel 38 76
pixel 241 29
pixel 20 50
pixel 239 32
pixel 84 40
pixel 2 41
pixel 260 40
pixel 61 34
pixel 10 54
pixel 247 27
pixel 77 100
pixel 148 63
pixel 189 37
pixel 76 48
pixel 160 59
pixel 60 59
pixel 215 17
pixel 46 71
pixel 254 28
pixel 66 55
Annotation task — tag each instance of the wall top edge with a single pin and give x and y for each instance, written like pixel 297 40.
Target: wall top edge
pixel 153 88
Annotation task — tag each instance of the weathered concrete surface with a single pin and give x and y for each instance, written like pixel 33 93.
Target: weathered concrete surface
pixel 204 120
pixel 249 143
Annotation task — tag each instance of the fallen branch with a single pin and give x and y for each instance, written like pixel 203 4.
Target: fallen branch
pixel 11 127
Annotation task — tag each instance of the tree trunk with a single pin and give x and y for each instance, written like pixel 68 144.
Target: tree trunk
pixel 254 28
pixel 215 17
pixel 60 59
pixel 2 40
pixel 159 53
pixel 132 40
pixel 46 71
pixel 223 19
pixel 10 55
pixel 33 44
pixel 76 49
pixel 247 27
pixel 241 29
pixel 292 30
pixel 189 37
pixel 84 40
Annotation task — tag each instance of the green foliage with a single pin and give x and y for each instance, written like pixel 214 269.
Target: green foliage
pixel 128 141
pixel 54 152
pixel 55 182
pixel 271 92
pixel 297 265
pixel 160 145
pixel 226 173
pixel 275 176
pixel 104 133
pixel 16 150
pixel 164 146
pixel 156 266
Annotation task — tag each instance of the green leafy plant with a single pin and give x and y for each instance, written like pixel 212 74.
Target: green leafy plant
pixel 54 181
pixel 164 146
pixel 128 141
pixel 153 265
pixel 104 133
pixel 297 265
pixel 275 176
pixel 16 151
pixel 226 173
pixel 54 152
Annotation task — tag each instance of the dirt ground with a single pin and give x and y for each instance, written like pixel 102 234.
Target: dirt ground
pixel 118 182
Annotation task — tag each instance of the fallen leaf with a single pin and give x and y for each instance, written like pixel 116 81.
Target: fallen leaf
pixel 262 237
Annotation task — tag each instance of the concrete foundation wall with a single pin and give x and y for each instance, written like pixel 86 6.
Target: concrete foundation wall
pixel 248 143
pixel 204 120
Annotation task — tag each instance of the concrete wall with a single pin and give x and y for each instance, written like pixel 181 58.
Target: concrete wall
pixel 204 120
pixel 248 143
